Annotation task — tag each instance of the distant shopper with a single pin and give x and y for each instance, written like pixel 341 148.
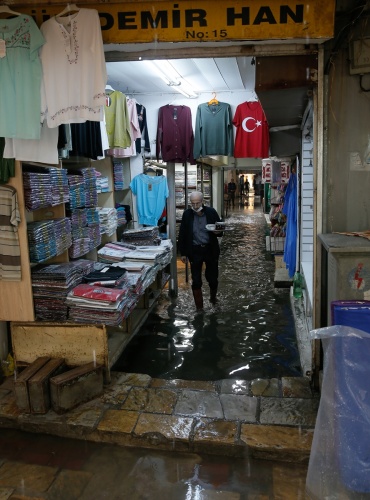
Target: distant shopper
pixel 231 188
pixel 199 246
pixel 246 187
pixel 241 184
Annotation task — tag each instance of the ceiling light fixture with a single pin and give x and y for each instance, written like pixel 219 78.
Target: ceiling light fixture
pixel 169 75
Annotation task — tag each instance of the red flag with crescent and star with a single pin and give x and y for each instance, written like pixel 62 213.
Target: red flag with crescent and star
pixel 252 131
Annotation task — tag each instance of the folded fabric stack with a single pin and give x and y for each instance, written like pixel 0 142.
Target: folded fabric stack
pixel 142 236
pixel 50 285
pixel 63 236
pixel 114 252
pixel 137 280
pixel 106 275
pixel 107 220
pixel 37 189
pixel 59 186
pixel 118 174
pixel 98 304
pixel 41 240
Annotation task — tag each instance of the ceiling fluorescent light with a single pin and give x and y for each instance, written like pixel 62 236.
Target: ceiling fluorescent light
pixel 170 76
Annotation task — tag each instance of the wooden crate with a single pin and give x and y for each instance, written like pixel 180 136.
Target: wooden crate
pixel 39 388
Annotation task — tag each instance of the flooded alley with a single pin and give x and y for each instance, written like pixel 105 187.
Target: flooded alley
pixel 249 334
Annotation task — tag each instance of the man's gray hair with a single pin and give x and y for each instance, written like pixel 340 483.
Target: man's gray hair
pixel 196 194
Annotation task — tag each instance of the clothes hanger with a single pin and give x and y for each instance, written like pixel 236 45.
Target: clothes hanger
pixel 4 9
pixel 213 100
pixel 109 88
pixel 69 9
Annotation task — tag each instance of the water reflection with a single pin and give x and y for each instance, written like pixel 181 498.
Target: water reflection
pixel 248 334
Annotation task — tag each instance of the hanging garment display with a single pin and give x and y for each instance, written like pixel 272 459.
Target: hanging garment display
pixel 134 130
pixel 86 140
pixel 252 131
pixel 43 150
pixel 175 137
pixel 74 70
pixel 151 193
pixel 20 78
pixel 10 254
pixel 117 121
pixel 213 130
pixel 141 114
pixel 7 165
pixel 290 210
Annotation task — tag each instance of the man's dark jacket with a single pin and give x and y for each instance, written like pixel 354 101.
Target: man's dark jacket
pixel 185 241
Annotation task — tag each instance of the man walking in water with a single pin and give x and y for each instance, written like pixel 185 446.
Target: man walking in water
pixel 199 246
pixel 231 188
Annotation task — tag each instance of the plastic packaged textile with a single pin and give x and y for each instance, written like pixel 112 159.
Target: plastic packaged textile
pixel 339 465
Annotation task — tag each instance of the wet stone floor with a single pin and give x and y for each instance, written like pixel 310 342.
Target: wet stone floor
pixel 50 468
pixel 249 334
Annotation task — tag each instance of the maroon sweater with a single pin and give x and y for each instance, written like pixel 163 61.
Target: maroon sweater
pixel 175 137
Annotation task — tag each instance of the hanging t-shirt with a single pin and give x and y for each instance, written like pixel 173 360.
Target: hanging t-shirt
pixel 20 78
pixel 175 138
pixel 117 121
pixel 151 193
pixel 74 70
pixel 213 130
pixel 252 131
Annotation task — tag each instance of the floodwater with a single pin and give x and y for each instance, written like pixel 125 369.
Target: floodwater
pixel 52 468
pixel 249 334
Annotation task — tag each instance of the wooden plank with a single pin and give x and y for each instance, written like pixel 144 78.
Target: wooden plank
pixel 77 344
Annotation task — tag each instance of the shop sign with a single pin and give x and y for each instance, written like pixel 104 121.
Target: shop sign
pixel 204 21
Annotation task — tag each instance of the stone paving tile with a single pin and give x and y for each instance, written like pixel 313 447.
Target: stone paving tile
pixel 239 407
pixel 197 385
pixel 8 408
pixel 85 416
pixel 5 493
pixel 150 400
pixel 215 431
pixel 288 411
pixel 234 386
pixel 287 483
pixel 69 484
pixel 171 427
pixel 265 387
pixel 200 404
pixel 26 476
pixel 134 379
pixel 296 387
pixel 271 441
pixel 118 421
pixel 116 394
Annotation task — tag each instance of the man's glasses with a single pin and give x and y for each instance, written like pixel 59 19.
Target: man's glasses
pixel 195 203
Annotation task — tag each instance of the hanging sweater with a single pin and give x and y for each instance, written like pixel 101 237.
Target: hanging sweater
pixel 175 138
pixel 213 130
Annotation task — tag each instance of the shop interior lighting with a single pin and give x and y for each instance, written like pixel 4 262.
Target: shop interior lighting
pixel 171 77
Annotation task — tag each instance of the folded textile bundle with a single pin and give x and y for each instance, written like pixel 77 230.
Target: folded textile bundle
pixel 99 304
pixel 50 285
